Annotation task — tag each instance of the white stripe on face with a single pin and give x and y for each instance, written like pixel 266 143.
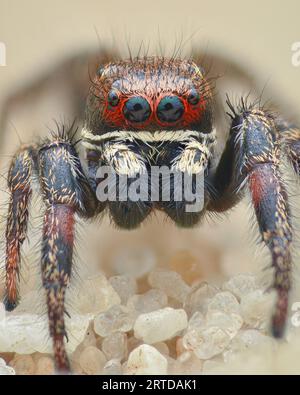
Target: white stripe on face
pixel 148 137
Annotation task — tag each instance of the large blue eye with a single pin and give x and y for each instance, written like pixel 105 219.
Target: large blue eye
pixel 137 109
pixel 170 109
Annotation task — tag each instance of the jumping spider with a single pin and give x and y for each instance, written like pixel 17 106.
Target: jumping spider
pixel 143 112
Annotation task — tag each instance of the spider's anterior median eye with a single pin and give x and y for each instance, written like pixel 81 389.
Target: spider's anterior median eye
pixel 193 97
pixel 170 109
pixel 113 98
pixel 137 109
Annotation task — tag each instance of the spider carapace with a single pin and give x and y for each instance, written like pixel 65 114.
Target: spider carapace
pixel 142 113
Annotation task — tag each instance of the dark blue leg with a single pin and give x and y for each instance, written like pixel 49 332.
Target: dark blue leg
pixel 251 158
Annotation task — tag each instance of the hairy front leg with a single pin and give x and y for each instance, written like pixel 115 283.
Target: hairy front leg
pixel 252 158
pixel 65 192
pixel 290 140
pixel 19 183
pixel 19 177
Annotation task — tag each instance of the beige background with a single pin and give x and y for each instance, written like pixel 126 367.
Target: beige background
pixel 258 33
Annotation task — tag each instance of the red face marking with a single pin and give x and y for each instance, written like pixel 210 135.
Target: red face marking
pixel 150 94
pixel 164 111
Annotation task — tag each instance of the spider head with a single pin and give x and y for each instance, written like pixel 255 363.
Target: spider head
pixel 148 113
pixel 149 94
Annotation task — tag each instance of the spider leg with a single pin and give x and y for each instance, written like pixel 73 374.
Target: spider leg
pixel 290 138
pixel 65 192
pixel 17 220
pixel 252 155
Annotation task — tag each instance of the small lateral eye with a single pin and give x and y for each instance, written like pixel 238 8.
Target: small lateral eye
pixel 113 98
pixel 193 97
